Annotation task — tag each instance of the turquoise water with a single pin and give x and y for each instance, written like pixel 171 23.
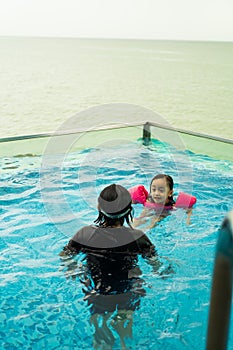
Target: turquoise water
pixel 46 81
pixel 42 206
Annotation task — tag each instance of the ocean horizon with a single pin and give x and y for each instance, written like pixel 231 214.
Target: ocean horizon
pixel 46 81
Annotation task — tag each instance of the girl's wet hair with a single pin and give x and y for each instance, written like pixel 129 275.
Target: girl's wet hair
pixel 169 182
pixel 115 206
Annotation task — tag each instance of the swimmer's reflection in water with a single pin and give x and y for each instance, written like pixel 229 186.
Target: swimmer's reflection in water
pixel 111 277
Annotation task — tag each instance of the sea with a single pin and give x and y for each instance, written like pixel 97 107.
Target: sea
pixel 46 81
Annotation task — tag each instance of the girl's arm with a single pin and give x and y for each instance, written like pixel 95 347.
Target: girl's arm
pixel 189 213
pixel 141 219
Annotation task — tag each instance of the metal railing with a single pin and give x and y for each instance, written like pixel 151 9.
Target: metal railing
pixel 213 146
pixel 146 132
pixel 221 292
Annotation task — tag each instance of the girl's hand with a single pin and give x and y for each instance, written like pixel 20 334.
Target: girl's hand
pixel 137 222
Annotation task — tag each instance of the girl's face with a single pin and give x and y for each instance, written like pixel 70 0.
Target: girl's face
pixel 160 191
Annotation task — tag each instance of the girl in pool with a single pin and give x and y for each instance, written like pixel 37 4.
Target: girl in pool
pixel 160 199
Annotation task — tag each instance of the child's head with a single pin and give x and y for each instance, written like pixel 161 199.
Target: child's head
pixel 161 189
pixel 115 206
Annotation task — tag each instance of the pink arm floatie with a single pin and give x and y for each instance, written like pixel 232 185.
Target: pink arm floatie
pixel 139 195
pixel 185 200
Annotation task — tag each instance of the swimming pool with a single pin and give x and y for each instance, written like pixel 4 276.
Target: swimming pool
pixel 45 199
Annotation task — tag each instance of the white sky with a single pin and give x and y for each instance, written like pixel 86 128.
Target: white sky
pixel 142 19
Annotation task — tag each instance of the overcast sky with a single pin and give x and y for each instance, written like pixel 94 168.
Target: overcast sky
pixel 142 19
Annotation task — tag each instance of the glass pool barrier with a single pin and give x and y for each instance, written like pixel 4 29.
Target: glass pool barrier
pixel 68 141
pixel 33 145
pixel 221 294
pixel 210 145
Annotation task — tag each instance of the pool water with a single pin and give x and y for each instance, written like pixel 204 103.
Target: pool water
pixel 43 204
